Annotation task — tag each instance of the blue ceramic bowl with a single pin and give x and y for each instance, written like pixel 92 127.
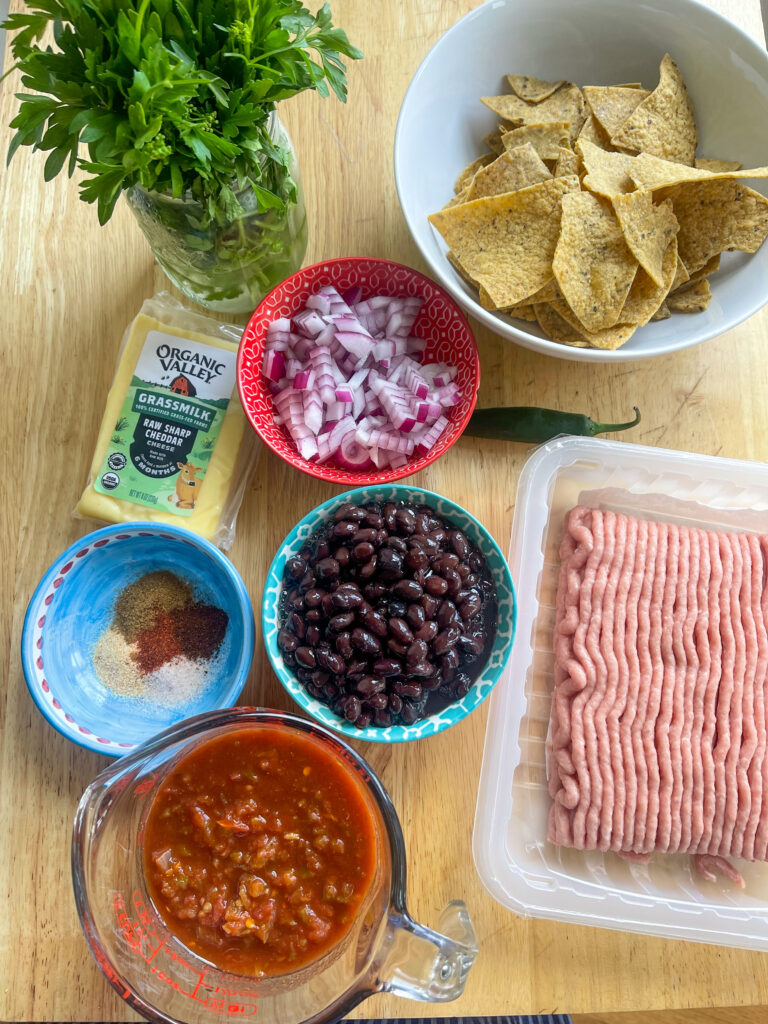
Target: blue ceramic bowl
pixel 72 606
pixel 505 630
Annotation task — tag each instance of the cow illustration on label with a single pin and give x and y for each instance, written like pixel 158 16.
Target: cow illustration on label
pixel 186 485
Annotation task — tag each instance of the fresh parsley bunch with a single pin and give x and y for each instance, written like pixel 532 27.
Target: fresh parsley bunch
pixel 172 95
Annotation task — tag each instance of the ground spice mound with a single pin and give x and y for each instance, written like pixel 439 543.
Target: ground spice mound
pixel 137 607
pixel 195 631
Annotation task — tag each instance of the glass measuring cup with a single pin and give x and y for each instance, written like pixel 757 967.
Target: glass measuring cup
pixel 385 950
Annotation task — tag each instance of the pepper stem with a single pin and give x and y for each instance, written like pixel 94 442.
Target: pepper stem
pixel 606 428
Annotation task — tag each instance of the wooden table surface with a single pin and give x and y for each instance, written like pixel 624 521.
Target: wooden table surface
pixel 69 288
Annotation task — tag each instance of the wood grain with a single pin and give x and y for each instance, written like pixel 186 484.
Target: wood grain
pixel 69 289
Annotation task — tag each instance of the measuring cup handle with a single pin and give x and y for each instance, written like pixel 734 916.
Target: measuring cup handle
pixel 427 965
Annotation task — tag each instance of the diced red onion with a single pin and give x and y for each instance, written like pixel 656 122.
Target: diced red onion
pixel 349 381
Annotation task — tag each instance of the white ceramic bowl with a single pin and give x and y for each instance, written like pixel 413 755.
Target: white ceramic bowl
pixel 591 42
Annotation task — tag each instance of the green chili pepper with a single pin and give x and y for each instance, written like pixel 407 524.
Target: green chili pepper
pixel 532 425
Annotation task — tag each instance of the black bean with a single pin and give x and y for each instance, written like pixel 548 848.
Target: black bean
pixel 409 590
pixel 395 703
pixel 472 580
pixel 344 645
pixel 415 615
pixel 453 581
pixel 447 615
pixel 430 604
pixel 327 605
pixel 417 651
pixel 363 551
pixel 443 562
pixel 406 521
pixel 307 581
pixel 476 563
pixel 366 535
pixel 447 639
pixel 420 577
pixel 296 567
pixel 365 642
pixel 356 668
pixel 397 543
pixel 349 511
pixel 435 585
pixel 432 682
pixel 374 518
pixel 352 708
pixel 428 632
pixel 387 667
pixel 422 668
pixel 382 718
pixel 473 642
pixel 320 678
pixel 306 657
pixel 297 625
pixel 341 621
pixel 346 599
pixel 313 635
pixel 450 660
pixel 416 559
pixel 470 606
pixel 397 648
pixel 323 550
pixel 369 569
pixel 313 597
pixel 327 568
pixel 463 570
pixel 438 535
pixel 374 622
pixel 363 720
pixel 422 522
pixel 297 602
pixel 410 714
pixel 397 607
pixel 344 529
pixel 341 554
pixel 390 563
pixel 381 538
pixel 408 690
pixel 369 685
pixel 316 691
pixel 377 701
pixel 461 685
pixel 400 630
pixel 389 512
pixel 333 662
pixel 313 615
pixel 287 641
pixel 373 591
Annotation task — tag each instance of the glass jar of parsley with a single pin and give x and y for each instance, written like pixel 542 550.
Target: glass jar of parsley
pixel 228 259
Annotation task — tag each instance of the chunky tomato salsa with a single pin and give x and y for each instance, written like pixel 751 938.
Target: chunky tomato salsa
pixel 259 849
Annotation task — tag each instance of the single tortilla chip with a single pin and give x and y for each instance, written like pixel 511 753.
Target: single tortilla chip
pixel 506 242
pixel 646 295
pixel 470 170
pixel 710 267
pixel 607 173
pixel 663 124
pixel 691 300
pixel 705 164
pixel 558 321
pixel 715 216
pixel 515 169
pixel 647 230
pixel 650 172
pixel 594 133
pixel 568 162
pixel 681 274
pixel 459 269
pixel 546 138
pixel 461 197
pixel 493 139
pixel 567 104
pixel 613 104
pixel 662 313
pixel 532 90
pixel 522 311
pixel 593 264
pixel 629 85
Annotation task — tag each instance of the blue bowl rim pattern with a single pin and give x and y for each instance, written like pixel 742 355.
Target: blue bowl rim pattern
pixel 47 704
pixel 453 713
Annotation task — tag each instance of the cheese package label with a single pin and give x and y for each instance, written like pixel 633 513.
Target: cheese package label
pixel 168 424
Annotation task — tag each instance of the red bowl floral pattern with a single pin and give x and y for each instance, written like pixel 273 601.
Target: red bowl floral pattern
pixel 448 335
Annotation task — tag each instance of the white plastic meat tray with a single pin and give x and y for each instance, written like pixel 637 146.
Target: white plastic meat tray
pixel 514 860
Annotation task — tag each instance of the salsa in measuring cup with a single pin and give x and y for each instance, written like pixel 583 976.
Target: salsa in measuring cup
pixel 259 849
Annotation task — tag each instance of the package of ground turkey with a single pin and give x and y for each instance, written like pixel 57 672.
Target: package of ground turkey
pixel 658 731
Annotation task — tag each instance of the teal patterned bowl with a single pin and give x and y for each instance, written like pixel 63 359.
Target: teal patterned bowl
pixel 505 628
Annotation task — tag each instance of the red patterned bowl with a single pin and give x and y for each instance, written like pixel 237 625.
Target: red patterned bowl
pixel 449 339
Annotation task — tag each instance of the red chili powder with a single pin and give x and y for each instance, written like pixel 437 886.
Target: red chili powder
pixel 195 631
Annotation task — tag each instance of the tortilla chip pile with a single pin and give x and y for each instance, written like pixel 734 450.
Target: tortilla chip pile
pixel 591 215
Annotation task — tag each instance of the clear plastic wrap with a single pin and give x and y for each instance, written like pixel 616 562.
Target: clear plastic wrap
pixel 174 444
